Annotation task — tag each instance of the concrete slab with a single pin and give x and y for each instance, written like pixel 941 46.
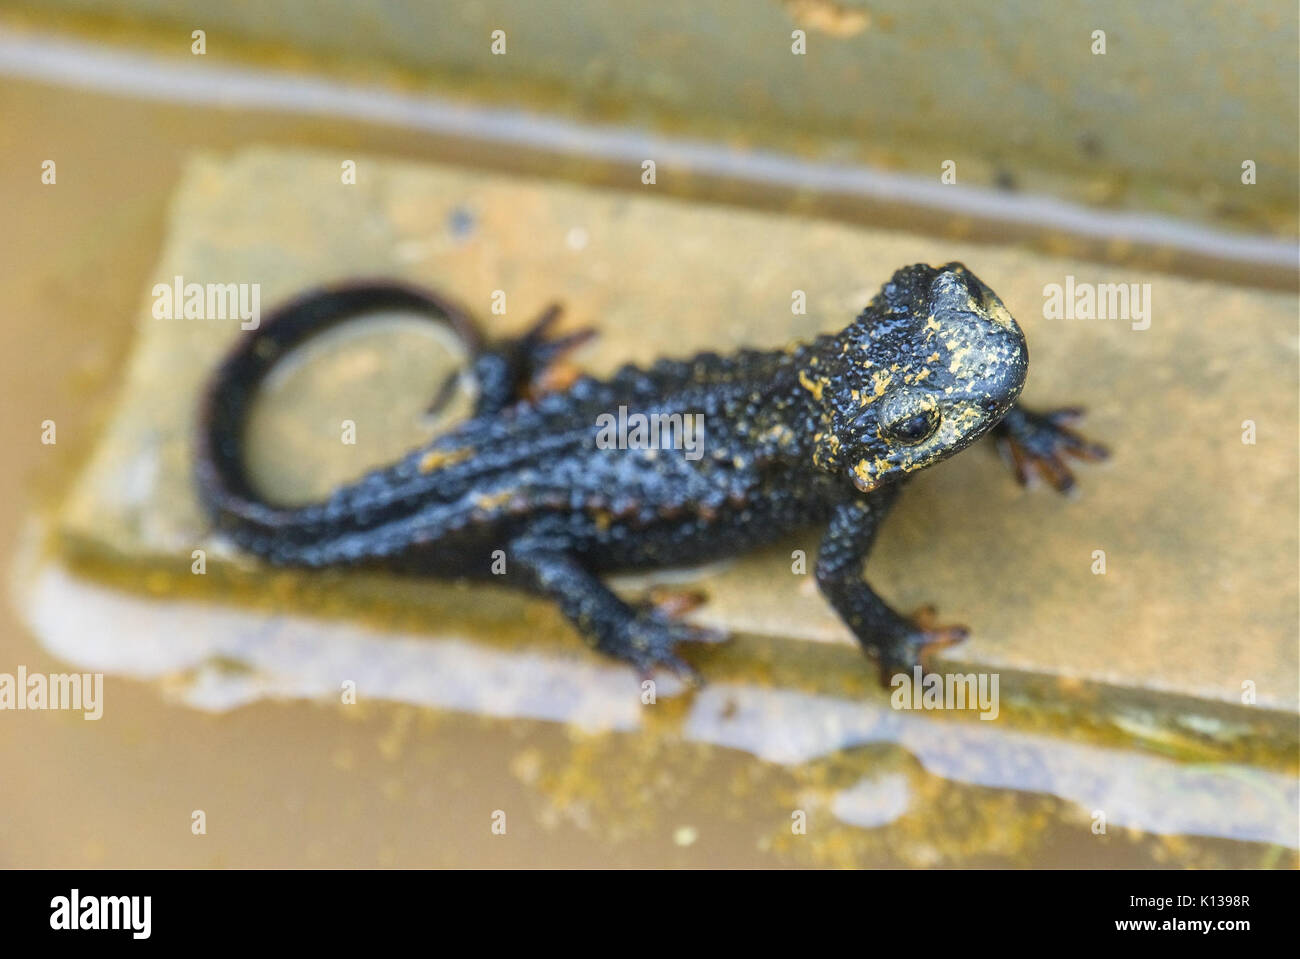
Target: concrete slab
pixel 1199 529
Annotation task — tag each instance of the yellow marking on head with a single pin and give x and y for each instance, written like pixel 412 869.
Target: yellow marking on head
pixel 996 311
pixel 814 387
pixel 879 383
pixel 959 359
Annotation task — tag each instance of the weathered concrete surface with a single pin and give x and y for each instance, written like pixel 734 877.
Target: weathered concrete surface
pixel 1199 530
pixel 220 659
pixel 1163 120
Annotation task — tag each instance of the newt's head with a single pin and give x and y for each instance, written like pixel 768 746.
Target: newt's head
pixel 930 366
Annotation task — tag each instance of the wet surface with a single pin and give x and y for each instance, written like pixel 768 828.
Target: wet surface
pixel 1161 121
pixel 219 660
pixel 224 695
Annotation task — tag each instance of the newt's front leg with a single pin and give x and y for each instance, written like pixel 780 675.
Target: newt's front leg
pixel 1040 442
pixel 897 642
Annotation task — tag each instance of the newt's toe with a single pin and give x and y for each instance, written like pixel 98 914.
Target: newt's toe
pixel 545 356
pixel 1039 446
pixel 918 646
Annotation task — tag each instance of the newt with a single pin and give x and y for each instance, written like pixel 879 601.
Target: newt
pixel 822 434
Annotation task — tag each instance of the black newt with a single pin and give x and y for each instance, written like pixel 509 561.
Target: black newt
pixel 820 434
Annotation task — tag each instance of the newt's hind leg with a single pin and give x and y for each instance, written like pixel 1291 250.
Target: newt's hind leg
pixel 645 635
pixel 520 368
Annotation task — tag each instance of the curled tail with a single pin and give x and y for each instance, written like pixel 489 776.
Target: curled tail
pixel 224 488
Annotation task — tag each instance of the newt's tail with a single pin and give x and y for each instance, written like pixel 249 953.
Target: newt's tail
pixel 279 533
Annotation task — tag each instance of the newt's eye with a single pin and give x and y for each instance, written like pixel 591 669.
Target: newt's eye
pixel 913 429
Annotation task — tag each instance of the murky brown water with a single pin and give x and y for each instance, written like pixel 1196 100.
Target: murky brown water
pixel 292 781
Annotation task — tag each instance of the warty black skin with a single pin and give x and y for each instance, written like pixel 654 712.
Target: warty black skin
pixel 821 434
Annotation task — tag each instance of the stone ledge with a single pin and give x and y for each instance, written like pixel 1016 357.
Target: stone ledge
pixel 1200 531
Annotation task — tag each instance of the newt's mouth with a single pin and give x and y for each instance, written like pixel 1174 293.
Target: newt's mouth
pixel 863 477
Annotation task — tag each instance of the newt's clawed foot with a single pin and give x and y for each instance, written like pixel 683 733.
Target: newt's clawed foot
pixel 672 602
pixel 649 639
pixel 1038 445
pixel 921 639
pixel 520 368
pixel 545 369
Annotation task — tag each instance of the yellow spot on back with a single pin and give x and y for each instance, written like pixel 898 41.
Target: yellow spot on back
pixel 436 459
pixel 490 501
